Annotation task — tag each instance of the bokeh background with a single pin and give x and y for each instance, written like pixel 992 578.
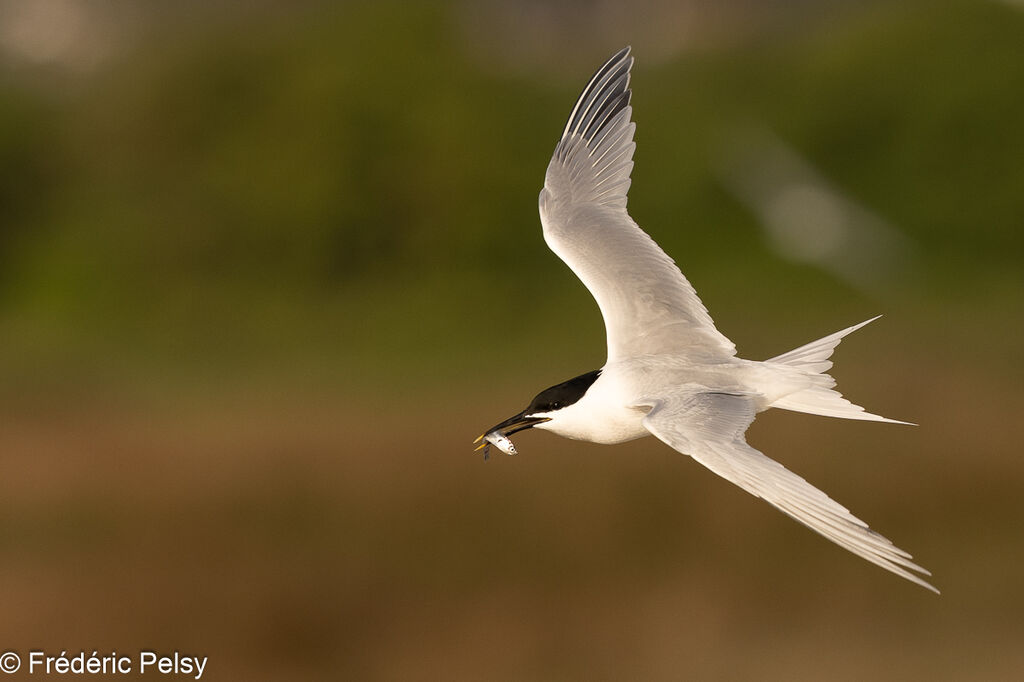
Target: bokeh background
pixel 267 268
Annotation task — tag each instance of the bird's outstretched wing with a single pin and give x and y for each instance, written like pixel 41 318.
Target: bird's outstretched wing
pixel 710 427
pixel 647 303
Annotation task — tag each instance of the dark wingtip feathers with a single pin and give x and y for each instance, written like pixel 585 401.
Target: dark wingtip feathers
pixel 606 95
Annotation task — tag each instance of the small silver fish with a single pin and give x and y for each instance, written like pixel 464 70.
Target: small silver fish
pixel 498 440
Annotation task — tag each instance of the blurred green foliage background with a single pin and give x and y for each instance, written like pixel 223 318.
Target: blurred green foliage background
pixel 267 269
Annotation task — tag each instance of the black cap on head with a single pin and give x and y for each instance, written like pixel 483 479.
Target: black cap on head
pixel 563 394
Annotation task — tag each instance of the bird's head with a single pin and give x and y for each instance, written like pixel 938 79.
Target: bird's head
pixel 543 408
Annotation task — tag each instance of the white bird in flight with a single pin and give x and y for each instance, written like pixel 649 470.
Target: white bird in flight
pixel 669 371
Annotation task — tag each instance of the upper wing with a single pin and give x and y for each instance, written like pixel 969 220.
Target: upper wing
pixel 710 426
pixel 647 303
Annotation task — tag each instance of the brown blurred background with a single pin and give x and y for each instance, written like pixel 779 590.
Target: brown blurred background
pixel 266 269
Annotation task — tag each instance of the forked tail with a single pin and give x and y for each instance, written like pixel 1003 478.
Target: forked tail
pixel 822 399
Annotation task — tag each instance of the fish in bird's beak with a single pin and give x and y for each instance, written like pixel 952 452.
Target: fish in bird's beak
pixel 498 435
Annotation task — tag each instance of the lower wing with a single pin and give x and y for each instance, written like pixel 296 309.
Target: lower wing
pixel 710 427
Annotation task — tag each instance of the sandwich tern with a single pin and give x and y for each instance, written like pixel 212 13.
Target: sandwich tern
pixel 669 371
